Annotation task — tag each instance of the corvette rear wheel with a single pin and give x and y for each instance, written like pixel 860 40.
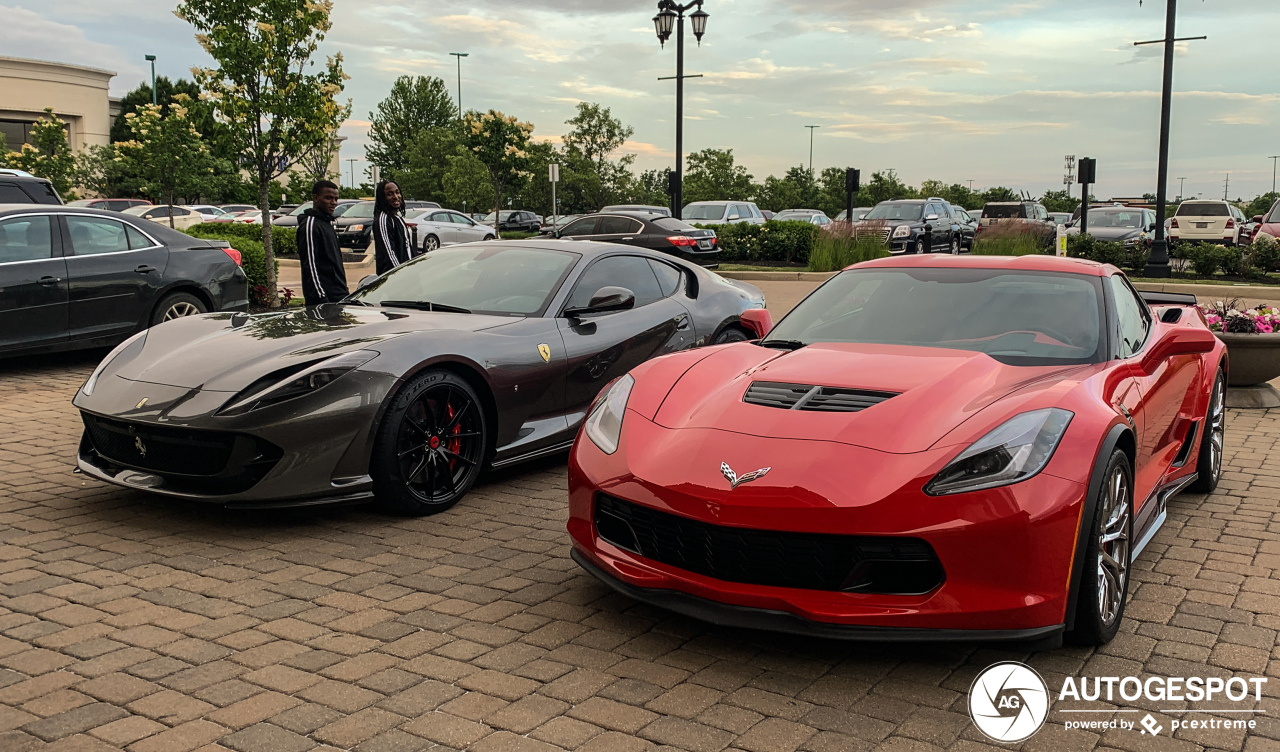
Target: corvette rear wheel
pixel 430 446
pixel 1209 459
pixel 1105 583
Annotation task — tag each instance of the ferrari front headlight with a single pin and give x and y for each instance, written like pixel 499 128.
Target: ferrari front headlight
pixel 604 423
pixel 138 339
pixel 292 383
pixel 1017 450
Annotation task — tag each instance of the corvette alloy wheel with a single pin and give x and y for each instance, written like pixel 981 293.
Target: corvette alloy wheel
pixel 1209 460
pixel 430 446
pixel 1113 545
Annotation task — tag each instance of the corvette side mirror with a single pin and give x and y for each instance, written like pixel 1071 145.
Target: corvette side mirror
pixel 1180 341
pixel 758 320
pixel 606 300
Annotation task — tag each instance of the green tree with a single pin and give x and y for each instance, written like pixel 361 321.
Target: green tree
pixel 427 162
pixel 165 90
pixel 1261 205
pixel 166 153
pixel 1059 201
pixel 653 187
pixel 999 193
pixel 885 186
pixel 595 136
pixel 414 106
pixel 49 156
pixel 466 183
pixel 275 110
pixel 712 175
pixel 501 143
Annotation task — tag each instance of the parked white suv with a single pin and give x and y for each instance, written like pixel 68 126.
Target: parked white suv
pixel 722 213
pixel 1206 222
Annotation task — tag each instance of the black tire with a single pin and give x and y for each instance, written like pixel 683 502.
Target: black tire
pixel 955 246
pixel 431 445
pixel 490 237
pixel 732 334
pixel 177 305
pixel 920 249
pixel 1104 583
pixel 430 243
pixel 1213 440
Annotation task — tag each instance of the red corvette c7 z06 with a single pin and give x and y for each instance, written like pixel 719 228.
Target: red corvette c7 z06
pixel 926 448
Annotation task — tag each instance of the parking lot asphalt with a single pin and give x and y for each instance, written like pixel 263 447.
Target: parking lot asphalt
pixel 134 622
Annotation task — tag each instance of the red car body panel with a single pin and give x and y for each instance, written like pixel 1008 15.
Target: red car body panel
pixel 1007 553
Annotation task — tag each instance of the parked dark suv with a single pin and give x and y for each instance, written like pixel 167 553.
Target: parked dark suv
pixel 23 190
pixel 915 226
pixel 666 234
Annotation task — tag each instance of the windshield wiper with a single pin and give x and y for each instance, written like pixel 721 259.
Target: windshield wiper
pixel 353 301
pixel 783 344
pixel 423 305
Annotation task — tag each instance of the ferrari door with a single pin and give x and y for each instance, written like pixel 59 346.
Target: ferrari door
pixel 602 347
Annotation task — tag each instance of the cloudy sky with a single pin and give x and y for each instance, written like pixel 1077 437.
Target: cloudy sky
pixel 957 90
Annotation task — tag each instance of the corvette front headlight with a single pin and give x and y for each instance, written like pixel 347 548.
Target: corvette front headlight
pixel 604 424
pixel 1012 453
pixel 902 231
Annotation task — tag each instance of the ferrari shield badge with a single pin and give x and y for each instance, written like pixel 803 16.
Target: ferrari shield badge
pixel 545 352
pixel 736 480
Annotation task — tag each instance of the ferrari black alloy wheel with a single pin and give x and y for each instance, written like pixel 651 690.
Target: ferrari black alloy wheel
pixel 1209 459
pixel 430 445
pixel 731 334
pixel 1105 584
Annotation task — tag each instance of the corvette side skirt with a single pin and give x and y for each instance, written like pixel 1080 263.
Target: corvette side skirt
pixel 728 615
pixel 1155 520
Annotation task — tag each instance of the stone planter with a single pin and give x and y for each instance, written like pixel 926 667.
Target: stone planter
pixel 1254 360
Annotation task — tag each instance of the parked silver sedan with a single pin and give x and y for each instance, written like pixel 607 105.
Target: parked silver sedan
pixel 440 227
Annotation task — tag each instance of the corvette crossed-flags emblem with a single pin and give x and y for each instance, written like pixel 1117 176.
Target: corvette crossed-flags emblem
pixel 736 480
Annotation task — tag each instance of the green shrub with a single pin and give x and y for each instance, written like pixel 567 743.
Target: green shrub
pixel 788 242
pixel 1204 258
pixel 1232 261
pixel 1086 246
pixel 738 242
pixel 284 240
pixel 1264 253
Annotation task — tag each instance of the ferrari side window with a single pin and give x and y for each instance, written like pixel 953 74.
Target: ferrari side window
pixel 1132 317
pixel 668 277
pixel 631 272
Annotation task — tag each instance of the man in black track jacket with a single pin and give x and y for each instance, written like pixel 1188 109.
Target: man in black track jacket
pixel 324 280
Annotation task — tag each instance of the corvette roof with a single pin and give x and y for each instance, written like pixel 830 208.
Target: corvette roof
pixel 1019 263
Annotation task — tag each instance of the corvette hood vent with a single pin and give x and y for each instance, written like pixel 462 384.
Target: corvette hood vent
pixel 826 399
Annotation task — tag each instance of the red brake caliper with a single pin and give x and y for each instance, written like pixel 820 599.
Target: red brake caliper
pixel 455 445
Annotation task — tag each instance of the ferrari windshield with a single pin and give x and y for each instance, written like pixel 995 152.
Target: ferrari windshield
pixel 486 279
pixel 1017 317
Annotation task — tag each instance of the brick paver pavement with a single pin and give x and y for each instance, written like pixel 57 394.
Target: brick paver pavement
pixel 140 623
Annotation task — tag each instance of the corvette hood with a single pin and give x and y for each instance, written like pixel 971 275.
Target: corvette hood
pixel 934 391
pixel 226 352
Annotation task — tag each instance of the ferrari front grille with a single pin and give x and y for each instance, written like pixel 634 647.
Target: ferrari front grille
pixel 808 561
pixel 827 399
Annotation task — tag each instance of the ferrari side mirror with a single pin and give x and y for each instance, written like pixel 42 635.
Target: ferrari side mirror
pixel 606 300
pixel 758 320
pixel 366 281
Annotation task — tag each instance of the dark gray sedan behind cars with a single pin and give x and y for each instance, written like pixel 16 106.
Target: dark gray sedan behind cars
pixel 665 234
pixel 72 278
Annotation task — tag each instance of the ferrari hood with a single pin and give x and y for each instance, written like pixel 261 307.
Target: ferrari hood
pixel 925 392
pixel 227 352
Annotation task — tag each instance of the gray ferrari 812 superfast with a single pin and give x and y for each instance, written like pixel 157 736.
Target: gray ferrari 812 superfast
pixel 471 357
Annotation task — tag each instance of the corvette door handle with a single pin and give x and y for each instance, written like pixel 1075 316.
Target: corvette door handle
pixel 49 281
pixel 144 269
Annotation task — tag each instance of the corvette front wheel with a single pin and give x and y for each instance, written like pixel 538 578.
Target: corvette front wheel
pixel 1209 459
pixel 1104 585
pixel 430 446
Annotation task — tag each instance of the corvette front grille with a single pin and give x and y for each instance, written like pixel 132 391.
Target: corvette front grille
pixel 808 561
pixel 827 399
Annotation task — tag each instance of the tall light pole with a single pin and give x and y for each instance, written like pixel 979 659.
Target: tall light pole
pixel 460 55
pixel 1273 172
pixel 351 164
pixel 671 18
pixel 811 128
pixel 1182 184
pixel 1158 266
pixel 152 59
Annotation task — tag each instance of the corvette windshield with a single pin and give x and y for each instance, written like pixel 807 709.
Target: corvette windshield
pixel 1020 318
pixel 481 278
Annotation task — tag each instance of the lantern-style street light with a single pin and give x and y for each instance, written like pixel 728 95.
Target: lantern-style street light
pixel 670 19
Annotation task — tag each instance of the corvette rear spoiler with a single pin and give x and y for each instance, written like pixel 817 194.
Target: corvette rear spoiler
pixel 1168 298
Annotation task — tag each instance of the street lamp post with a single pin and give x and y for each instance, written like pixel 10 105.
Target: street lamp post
pixel 1182 184
pixel 1158 266
pixel 671 18
pixel 811 128
pixel 351 164
pixel 152 59
pixel 460 55
pixel 1273 172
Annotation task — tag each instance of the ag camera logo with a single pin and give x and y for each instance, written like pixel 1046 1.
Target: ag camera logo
pixel 1009 702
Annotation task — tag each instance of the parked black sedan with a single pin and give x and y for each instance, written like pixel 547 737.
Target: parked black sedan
pixel 473 356
pixel 514 221
pixel 72 278
pixel 665 234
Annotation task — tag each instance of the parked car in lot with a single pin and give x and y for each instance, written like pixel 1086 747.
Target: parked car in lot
pixel 250 217
pixel 291 219
pixel 209 211
pixel 411 205
pixel 661 211
pixel 514 221
pixel 666 234
pixel 354 225
pixel 1060 218
pixel 812 216
pixel 110 204
pixel 1026 211
pixel 722 213
pixel 558 223
pixel 183 218
pixel 237 208
pixel 968 227
pixel 914 226
pixel 859 214
pixel 1203 221
pixel 1120 224
pixel 440 227
pixel 1269 223
pixel 18 189
pixel 473 357
pixel 72 277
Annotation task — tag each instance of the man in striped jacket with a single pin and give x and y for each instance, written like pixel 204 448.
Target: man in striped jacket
pixel 324 279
